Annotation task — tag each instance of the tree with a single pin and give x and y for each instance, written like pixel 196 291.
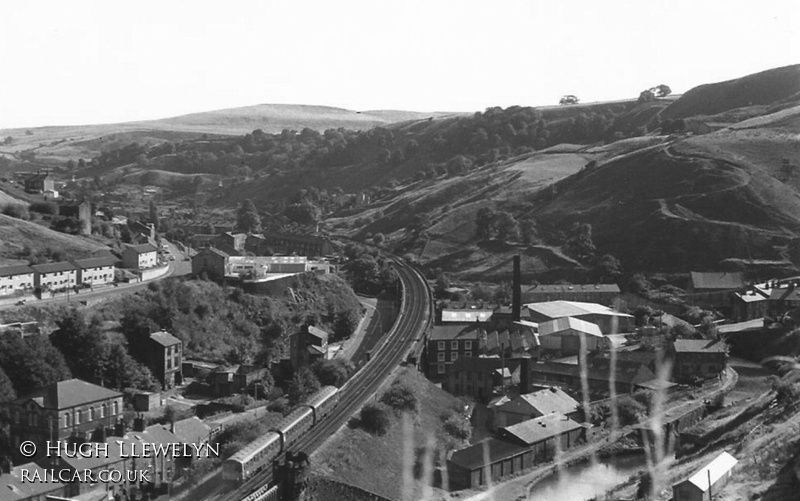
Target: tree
pixel 400 397
pixel 334 372
pixel 459 427
pixel 580 243
pixel 122 371
pixel 345 324
pixel 609 268
pixel 663 90
pixel 31 363
pixel 646 96
pixel 486 223
pixel 528 230
pixel 303 385
pixel 247 218
pixel 82 345
pixel 7 393
pixel 375 418
pixel 507 227
pixel 568 99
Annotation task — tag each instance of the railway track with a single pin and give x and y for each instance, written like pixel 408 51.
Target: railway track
pixel 414 317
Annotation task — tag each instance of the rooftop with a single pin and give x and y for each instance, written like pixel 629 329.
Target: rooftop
pixel 699 346
pixel 552 399
pixel 69 393
pixel 16 269
pixel 452 332
pixel 721 465
pixel 471 457
pixel 553 288
pixel 143 248
pixel 717 280
pixel 557 309
pixel 164 338
pixel 470 315
pixel 538 429
pixel 95 262
pixel 54 267
pixel 569 323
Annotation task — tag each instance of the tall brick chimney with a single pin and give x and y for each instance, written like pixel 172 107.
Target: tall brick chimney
pixel 516 294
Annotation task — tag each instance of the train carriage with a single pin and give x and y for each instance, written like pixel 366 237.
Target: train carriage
pixel 252 457
pixel 323 401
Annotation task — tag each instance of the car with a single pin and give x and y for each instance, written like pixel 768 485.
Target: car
pixel 21 302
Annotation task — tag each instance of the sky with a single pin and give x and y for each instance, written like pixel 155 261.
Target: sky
pixel 79 62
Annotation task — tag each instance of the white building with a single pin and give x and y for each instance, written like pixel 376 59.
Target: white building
pixel 140 256
pixel 55 276
pixel 16 278
pixel 95 270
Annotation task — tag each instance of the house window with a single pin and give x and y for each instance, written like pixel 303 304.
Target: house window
pixel 440 345
pixel 440 369
pixel 92 417
pixel 67 420
pixel 77 417
pixel 116 407
pixel 453 345
pixel 102 410
pixel 468 354
pixel 453 356
pixel 441 356
pixel 467 345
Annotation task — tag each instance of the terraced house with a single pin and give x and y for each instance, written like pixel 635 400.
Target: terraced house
pixel 14 279
pixel 55 276
pixel 95 270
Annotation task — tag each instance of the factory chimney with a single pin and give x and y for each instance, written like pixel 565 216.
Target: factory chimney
pixel 516 294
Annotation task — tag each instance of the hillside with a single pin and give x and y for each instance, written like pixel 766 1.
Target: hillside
pixel 771 87
pixel 17 235
pixel 56 145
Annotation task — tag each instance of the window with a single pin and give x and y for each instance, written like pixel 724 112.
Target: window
pixel 453 345
pixel 77 417
pixel 467 353
pixel 453 356
pixel 440 369
pixel 441 356
pixel 467 345
pixel 440 345
pixel 116 407
pixel 102 410
pixel 92 417
pixel 67 420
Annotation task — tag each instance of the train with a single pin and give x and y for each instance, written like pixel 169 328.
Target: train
pixel 261 452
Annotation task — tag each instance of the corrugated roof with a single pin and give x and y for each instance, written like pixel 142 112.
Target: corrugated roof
pixel 317 332
pixel 699 346
pixel 17 269
pixel 54 267
pixel 558 309
pixel 471 458
pixel 721 465
pixel 192 430
pixel 164 338
pixel 569 323
pixel 542 428
pixel 717 280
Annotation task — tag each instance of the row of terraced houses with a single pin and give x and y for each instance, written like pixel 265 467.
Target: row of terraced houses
pixel 63 275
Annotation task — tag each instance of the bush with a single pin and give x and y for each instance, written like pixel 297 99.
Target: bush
pixel 44 207
pixel 458 427
pixel 375 418
pixel 17 211
pixel 400 397
pixel 630 411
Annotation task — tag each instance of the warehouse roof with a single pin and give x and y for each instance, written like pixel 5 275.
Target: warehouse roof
pixel 557 309
pixel 542 428
pixel 717 280
pixel 569 323
pixel 472 457
pixel 699 346
pixel 717 468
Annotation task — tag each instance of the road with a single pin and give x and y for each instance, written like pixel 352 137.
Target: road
pixel 178 267
pixel 414 318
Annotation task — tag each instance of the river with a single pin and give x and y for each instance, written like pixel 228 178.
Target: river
pixel 586 480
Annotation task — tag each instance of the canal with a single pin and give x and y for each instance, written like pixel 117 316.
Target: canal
pixel 586 480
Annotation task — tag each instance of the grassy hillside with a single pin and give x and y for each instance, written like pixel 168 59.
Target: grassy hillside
pixel 17 235
pixel 387 465
pixel 767 87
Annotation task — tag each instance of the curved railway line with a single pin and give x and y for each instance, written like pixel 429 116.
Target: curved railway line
pixel 408 330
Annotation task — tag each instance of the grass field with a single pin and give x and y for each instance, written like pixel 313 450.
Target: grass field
pixel 16 234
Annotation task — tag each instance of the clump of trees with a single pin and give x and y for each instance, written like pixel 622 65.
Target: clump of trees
pixel 400 397
pixel 491 223
pixel 652 93
pixel 568 99
pixel 376 418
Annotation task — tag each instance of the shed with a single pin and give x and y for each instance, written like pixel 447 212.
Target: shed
pixel 706 481
pixel 544 435
pixel 564 335
pixel 468 467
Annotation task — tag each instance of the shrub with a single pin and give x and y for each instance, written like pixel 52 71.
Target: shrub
pixel 458 427
pixel 44 207
pixel 375 418
pixel 17 211
pixel 400 397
